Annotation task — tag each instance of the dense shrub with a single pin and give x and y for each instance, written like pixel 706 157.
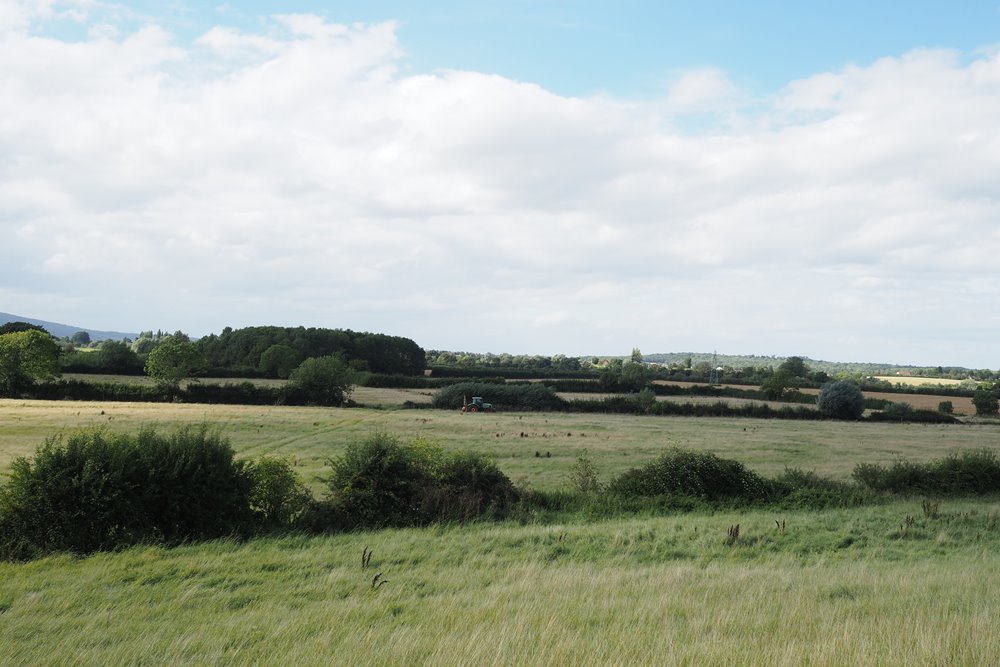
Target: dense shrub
pixel 634 404
pixel 805 489
pixel 894 413
pixel 986 402
pixel 100 491
pixel 277 497
pixel 697 474
pixel 969 472
pixel 841 400
pixel 467 485
pixel 532 396
pixel 380 482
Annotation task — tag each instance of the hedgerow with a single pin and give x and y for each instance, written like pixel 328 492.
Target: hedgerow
pixel 510 397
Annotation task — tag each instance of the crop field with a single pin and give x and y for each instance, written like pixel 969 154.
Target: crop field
pixel 962 404
pixel 919 381
pixel 873 585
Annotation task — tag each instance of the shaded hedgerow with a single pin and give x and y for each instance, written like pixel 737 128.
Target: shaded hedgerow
pixel 509 397
pixel 635 404
pixel 972 472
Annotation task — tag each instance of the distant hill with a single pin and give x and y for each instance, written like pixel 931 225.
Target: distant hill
pixel 831 367
pixel 61 330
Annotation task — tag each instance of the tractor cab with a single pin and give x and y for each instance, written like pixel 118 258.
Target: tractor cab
pixel 477 405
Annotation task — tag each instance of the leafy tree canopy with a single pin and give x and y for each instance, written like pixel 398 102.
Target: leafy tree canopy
pixel 841 399
pixel 323 380
pixel 172 360
pixel 26 357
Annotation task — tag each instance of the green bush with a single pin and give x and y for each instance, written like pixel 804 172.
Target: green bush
pixel 99 491
pixel 277 497
pixel 986 402
pixel 908 414
pixel 946 407
pixel 841 400
pixel 805 489
pixel 467 485
pixel 381 482
pixel 696 474
pixel 899 412
pixel 972 472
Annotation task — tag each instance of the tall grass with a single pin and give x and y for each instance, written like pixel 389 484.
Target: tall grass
pixel 837 587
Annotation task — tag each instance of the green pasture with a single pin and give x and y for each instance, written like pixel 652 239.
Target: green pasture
pixel 873 586
pixel 534 449
pixel 876 585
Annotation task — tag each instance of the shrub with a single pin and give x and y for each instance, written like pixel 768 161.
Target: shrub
pixel 381 482
pixel 800 488
pixel 467 484
pixel 900 412
pixel 841 400
pixel 583 477
pixel 277 497
pixel 970 472
pixel 986 402
pixel 99 491
pixel 697 474
pixel 946 407
pixel 911 415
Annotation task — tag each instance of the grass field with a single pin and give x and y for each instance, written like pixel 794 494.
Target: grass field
pixel 836 588
pixel 877 585
pixel 919 381
pixel 614 442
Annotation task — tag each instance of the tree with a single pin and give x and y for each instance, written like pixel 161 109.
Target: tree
pixel 116 356
pixel 774 387
pixel 26 357
pixel 279 361
pixel 172 360
pixel 986 402
pixel 322 380
pixel 841 400
pixel 795 367
pixel 18 327
pixel 80 338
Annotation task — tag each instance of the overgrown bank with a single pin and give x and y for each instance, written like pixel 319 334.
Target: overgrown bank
pixel 94 491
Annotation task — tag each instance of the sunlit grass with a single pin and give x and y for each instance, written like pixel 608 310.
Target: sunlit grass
pixel 615 443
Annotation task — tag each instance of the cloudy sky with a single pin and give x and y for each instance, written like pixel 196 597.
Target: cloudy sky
pixel 540 176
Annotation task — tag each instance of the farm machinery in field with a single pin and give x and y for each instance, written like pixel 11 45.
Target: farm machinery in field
pixel 477 405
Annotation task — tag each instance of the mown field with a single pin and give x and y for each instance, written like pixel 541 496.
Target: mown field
pixel 876 585
pixel 536 449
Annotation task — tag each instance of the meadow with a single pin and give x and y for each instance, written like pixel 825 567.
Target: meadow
pixel 874 585
pixel 534 449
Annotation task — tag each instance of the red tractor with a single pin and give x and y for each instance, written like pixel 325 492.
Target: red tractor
pixel 477 405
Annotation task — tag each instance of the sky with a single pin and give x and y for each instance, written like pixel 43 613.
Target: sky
pixel 533 177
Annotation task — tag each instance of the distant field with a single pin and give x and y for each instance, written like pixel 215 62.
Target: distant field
pixel 918 381
pixel 962 404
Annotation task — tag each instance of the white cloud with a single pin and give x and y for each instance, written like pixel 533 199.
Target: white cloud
pixel 296 176
pixel 702 89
